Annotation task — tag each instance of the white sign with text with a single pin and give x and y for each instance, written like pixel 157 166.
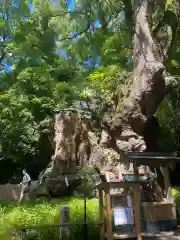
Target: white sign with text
pixel 123 216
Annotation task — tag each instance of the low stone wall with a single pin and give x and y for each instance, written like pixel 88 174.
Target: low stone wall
pixel 9 192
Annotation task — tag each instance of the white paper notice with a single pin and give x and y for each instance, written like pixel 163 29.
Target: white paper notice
pixel 130 216
pixel 129 201
pixel 120 217
pixel 123 216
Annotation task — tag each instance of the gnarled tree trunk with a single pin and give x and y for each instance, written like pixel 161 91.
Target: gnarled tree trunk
pixel 151 81
pixel 137 125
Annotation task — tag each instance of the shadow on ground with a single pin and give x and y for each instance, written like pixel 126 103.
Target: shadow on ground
pixel 172 235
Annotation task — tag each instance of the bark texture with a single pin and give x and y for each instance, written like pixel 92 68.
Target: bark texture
pixel 151 82
pixel 71 143
pixel 76 145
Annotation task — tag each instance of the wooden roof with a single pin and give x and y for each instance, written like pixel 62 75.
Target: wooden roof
pixel 151 158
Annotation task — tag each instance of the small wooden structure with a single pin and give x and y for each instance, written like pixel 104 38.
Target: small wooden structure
pixel 155 160
pixel 105 188
pixel 158 216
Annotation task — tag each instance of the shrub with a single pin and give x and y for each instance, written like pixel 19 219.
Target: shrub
pixel 14 215
pixel 176 196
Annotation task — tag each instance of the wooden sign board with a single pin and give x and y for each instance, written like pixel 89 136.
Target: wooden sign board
pixel 133 178
pixel 64 219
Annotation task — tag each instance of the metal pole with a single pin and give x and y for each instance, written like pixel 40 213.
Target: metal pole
pixel 85 216
pixel 23 233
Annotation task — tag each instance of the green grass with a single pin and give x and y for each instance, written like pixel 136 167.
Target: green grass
pixel 13 215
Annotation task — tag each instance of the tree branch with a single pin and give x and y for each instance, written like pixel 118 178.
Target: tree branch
pixel 128 15
pixel 3 45
pixel 63 13
pixel 171 20
pixel 3 55
pixel 76 34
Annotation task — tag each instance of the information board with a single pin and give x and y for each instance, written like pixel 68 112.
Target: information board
pixel 123 216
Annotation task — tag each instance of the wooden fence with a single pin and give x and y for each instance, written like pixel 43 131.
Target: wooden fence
pixel 9 192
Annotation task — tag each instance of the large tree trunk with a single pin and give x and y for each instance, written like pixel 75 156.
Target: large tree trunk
pixel 76 144
pixel 150 84
pixel 137 126
pixel 71 144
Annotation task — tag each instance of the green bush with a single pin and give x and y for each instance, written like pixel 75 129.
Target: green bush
pixel 176 196
pixel 14 215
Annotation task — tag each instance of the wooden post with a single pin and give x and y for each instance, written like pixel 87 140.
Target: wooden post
pixel 136 171
pixel 64 219
pixel 136 207
pixel 109 214
pixel 101 214
pixel 167 184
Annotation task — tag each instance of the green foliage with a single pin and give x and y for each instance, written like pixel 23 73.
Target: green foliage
pixel 107 79
pixel 169 119
pixel 40 82
pixel 27 109
pixel 101 87
pixel 176 196
pixel 14 216
pixel 90 178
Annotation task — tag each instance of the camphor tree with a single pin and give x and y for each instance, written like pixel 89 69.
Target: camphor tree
pixel 143 31
pixel 129 46
pixel 150 36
